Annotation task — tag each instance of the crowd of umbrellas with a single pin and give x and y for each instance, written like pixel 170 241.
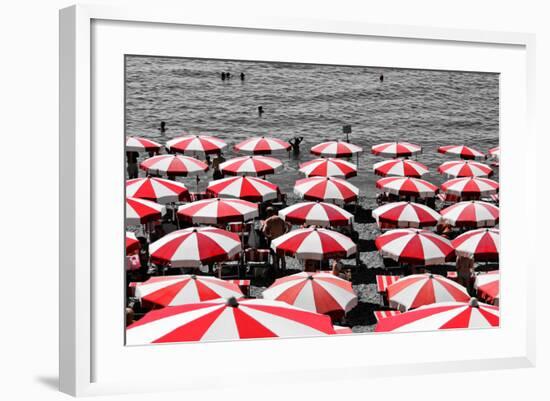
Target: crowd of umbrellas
pixel 202 307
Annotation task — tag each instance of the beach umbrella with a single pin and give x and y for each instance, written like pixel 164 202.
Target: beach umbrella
pixel 196 144
pixel 227 320
pixel 251 165
pixel 132 243
pixel 396 149
pixel 471 214
pixel 316 292
pixel 482 245
pixel 326 189
pixel 342 330
pixel 316 213
pixel 136 144
pixel 336 149
pixel 495 152
pixel 218 211
pixel 445 315
pixel 157 190
pixel 141 211
pixel 413 246
pixel 465 152
pixel 248 188
pixel 185 289
pixel 406 214
pixel 314 244
pixel 194 247
pixel 470 187
pixel 465 168
pixel 488 286
pixel 407 186
pixel 423 289
pixel 329 167
pixel 173 165
pixel 262 146
pixel 400 167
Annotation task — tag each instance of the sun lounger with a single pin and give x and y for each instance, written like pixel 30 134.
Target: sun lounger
pixel 383 314
pixel 382 283
pixel 244 285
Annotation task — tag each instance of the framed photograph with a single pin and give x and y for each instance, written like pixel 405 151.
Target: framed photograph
pixel 284 198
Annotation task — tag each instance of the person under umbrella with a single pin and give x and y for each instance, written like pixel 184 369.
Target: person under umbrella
pixel 273 227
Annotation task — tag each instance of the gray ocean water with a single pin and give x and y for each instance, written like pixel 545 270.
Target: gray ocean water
pixel 430 108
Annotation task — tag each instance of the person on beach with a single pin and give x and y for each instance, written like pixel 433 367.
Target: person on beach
pixel 223 76
pixel 295 143
pixel 465 272
pixel 217 173
pixel 260 111
pixel 131 159
pixel 242 76
pixel 274 227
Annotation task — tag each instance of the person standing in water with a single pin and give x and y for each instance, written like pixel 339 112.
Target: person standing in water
pixel 162 129
pixel 223 76
pixel 381 77
pixel 260 111
pixel 295 143
pixel 228 75
pixel 242 76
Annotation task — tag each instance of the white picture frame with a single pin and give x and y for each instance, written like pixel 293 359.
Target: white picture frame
pixel 92 39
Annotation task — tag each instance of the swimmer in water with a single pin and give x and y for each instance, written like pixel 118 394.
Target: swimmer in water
pixel 162 129
pixel 260 111
pixel 242 76
pixel 295 143
pixel 381 77
pixel 223 76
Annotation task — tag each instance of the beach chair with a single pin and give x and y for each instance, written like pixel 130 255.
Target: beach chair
pixel 383 314
pixel 230 269
pixel 257 262
pixel 244 285
pixel 453 275
pixel 382 284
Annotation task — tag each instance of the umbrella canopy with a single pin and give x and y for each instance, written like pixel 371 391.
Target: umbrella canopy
pixel 488 286
pixel 471 214
pixel 314 243
pixel 444 315
pixel 136 144
pixel 406 214
pixel 326 189
pixel 417 247
pixel 251 165
pixel 185 289
pixel 423 289
pixel 470 187
pixel 132 243
pixel 316 213
pixel 482 245
pixel 407 186
pixel 218 211
pixel 400 167
pixel 465 152
pixel 328 168
pixel 194 247
pixel 176 165
pixel 316 292
pixel 495 152
pixel 465 168
pixel 396 149
pixel 336 149
pixel 141 211
pixel 248 188
pixel 227 320
pixel 196 144
pixel 157 190
pixel 262 146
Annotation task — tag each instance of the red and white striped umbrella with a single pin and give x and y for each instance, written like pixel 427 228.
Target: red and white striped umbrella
pixel 423 289
pixel 336 149
pixel 316 213
pixel 185 289
pixel 262 146
pixel 400 167
pixel 176 165
pixel 218 211
pixel 314 243
pixel 470 187
pixel 396 149
pixel 196 144
pixel 465 168
pixel 132 243
pixel 316 292
pixel 136 144
pixel 248 188
pixel 141 211
pixel 488 286
pixel 157 190
pixel 465 152
pixel 406 214
pixel 417 247
pixel 342 330
pixel 251 165
pixel 326 189
pixel 329 167
pixel 407 186
pixel 444 315
pixel 495 152
pixel 194 247
pixel 227 320
pixel 482 245
pixel 471 214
